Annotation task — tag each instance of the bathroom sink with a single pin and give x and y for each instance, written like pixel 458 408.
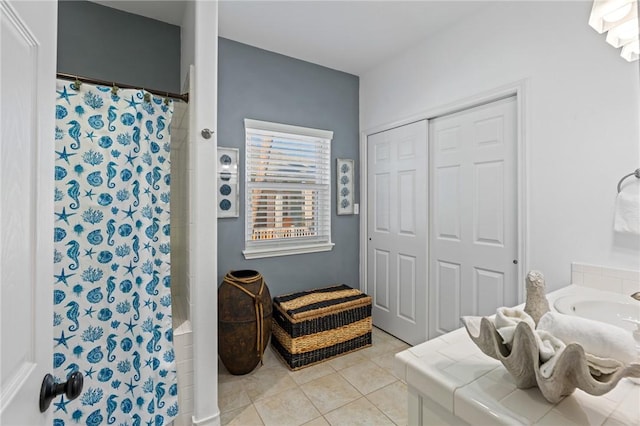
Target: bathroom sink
pixel 615 309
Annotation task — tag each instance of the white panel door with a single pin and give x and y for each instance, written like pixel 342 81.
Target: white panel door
pixel 27 84
pixel 397 230
pixel 473 227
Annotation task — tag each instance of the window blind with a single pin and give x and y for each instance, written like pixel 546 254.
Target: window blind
pixel 288 187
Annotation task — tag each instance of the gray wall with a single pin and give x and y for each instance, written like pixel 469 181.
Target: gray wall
pixel 108 44
pixel 254 83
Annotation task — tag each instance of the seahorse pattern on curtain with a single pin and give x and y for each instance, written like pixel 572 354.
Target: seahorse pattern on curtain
pixel 112 300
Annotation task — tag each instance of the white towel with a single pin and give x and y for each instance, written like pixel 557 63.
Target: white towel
pixel 550 350
pixel 627 215
pixel 506 321
pixel 596 338
pixel 599 366
pixel 549 347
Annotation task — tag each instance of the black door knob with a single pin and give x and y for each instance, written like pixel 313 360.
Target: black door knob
pixel 49 389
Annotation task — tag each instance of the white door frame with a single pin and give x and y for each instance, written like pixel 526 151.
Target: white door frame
pixel 203 237
pixel 518 89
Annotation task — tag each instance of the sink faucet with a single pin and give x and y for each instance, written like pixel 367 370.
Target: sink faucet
pixel 636 295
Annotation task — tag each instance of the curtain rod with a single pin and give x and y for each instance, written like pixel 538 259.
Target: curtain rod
pixel 72 77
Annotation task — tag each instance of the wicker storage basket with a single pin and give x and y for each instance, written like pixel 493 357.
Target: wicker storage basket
pixel 313 326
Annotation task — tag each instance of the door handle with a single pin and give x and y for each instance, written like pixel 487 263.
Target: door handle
pixel 49 389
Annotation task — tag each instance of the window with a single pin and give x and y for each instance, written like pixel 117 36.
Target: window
pixel 288 189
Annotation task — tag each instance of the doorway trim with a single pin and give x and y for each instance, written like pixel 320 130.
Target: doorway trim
pixel 519 89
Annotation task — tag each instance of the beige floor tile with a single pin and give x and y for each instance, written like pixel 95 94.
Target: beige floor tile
pixel 367 376
pixel 399 345
pixel 270 358
pixel 384 336
pixel 290 407
pixel 182 420
pixel 379 348
pixel 385 360
pixel 392 401
pixel 347 360
pixel 224 376
pixel 282 397
pixel 379 334
pixel 246 416
pixel 308 374
pixel 358 412
pixel 265 382
pixel 320 421
pixel 330 392
pixel 231 396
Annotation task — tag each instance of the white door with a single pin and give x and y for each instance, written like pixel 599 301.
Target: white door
pixel 397 230
pixel 28 49
pixel 473 228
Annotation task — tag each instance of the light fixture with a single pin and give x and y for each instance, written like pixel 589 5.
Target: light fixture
pixel 631 51
pixel 618 13
pixel 619 19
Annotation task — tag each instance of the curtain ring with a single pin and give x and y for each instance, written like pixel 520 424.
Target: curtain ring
pixel 114 90
pixel 147 97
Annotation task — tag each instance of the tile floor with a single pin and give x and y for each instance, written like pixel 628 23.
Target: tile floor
pixel 354 389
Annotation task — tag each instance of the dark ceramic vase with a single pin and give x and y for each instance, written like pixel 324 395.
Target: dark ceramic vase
pixel 244 320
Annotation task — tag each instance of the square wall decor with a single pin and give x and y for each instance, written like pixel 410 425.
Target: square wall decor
pixel 344 185
pixel 228 198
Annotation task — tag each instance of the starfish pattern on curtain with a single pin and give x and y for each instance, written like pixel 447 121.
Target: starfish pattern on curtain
pixel 112 298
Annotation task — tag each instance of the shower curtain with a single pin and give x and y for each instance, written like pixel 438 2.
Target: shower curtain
pixel 112 300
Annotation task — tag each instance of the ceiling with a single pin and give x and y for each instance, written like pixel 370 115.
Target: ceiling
pixel 351 36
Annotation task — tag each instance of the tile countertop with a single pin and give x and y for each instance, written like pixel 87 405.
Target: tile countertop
pixel 452 371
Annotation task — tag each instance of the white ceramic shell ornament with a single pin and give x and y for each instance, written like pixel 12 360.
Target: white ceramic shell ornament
pixel 522 359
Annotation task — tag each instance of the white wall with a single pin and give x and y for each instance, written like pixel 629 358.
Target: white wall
pixel 582 128
pixel 187 43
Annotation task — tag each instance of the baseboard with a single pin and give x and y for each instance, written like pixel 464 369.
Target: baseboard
pixel 207 421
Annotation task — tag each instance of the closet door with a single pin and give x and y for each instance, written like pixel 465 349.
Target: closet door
pixel 397 230
pixel 473 228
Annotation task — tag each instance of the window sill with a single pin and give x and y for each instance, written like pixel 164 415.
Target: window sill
pixel 260 252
